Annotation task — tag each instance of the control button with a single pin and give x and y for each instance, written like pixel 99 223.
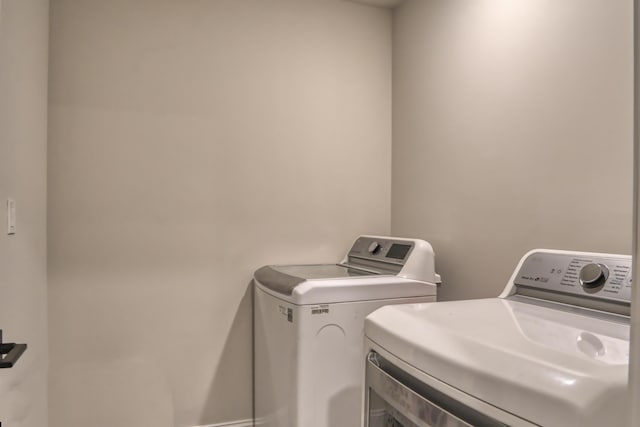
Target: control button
pixel 593 275
pixel 374 247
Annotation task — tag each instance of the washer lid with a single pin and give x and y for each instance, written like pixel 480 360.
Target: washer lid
pixel 284 278
pixel 549 366
pixel 333 283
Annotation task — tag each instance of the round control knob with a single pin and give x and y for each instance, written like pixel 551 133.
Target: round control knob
pixel 374 247
pixel 593 275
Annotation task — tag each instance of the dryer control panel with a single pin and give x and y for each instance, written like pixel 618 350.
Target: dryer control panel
pixel 581 274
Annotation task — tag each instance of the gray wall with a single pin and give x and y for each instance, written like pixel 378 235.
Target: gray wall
pixel 23 153
pixel 190 143
pixel 512 129
pixel 634 350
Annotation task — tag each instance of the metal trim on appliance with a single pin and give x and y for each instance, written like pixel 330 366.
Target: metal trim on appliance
pixel 418 402
pixel 361 268
pixel 388 266
pixel 273 278
pixel 621 308
pixel 276 280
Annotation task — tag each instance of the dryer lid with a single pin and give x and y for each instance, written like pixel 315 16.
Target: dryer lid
pixel 548 366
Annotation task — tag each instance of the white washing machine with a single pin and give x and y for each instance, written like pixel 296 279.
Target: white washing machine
pixel 308 328
pixel 552 350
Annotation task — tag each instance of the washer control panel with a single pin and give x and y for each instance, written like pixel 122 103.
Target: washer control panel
pixel 588 275
pixel 377 249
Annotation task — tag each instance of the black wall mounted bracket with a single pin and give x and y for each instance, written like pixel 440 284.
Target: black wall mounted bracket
pixel 10 353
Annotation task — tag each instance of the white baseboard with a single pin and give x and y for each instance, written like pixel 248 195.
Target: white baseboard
pixel 240 423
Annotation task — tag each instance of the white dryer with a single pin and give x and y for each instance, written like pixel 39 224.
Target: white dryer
pixel 308 328
pixel 552 350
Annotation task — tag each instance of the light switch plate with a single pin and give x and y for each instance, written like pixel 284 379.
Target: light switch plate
pixel 11 216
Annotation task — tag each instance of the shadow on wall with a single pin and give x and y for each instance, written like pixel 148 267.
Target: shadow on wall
pixel 103 382
pixel 227 399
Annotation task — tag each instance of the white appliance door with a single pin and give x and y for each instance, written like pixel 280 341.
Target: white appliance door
pixel 393 399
